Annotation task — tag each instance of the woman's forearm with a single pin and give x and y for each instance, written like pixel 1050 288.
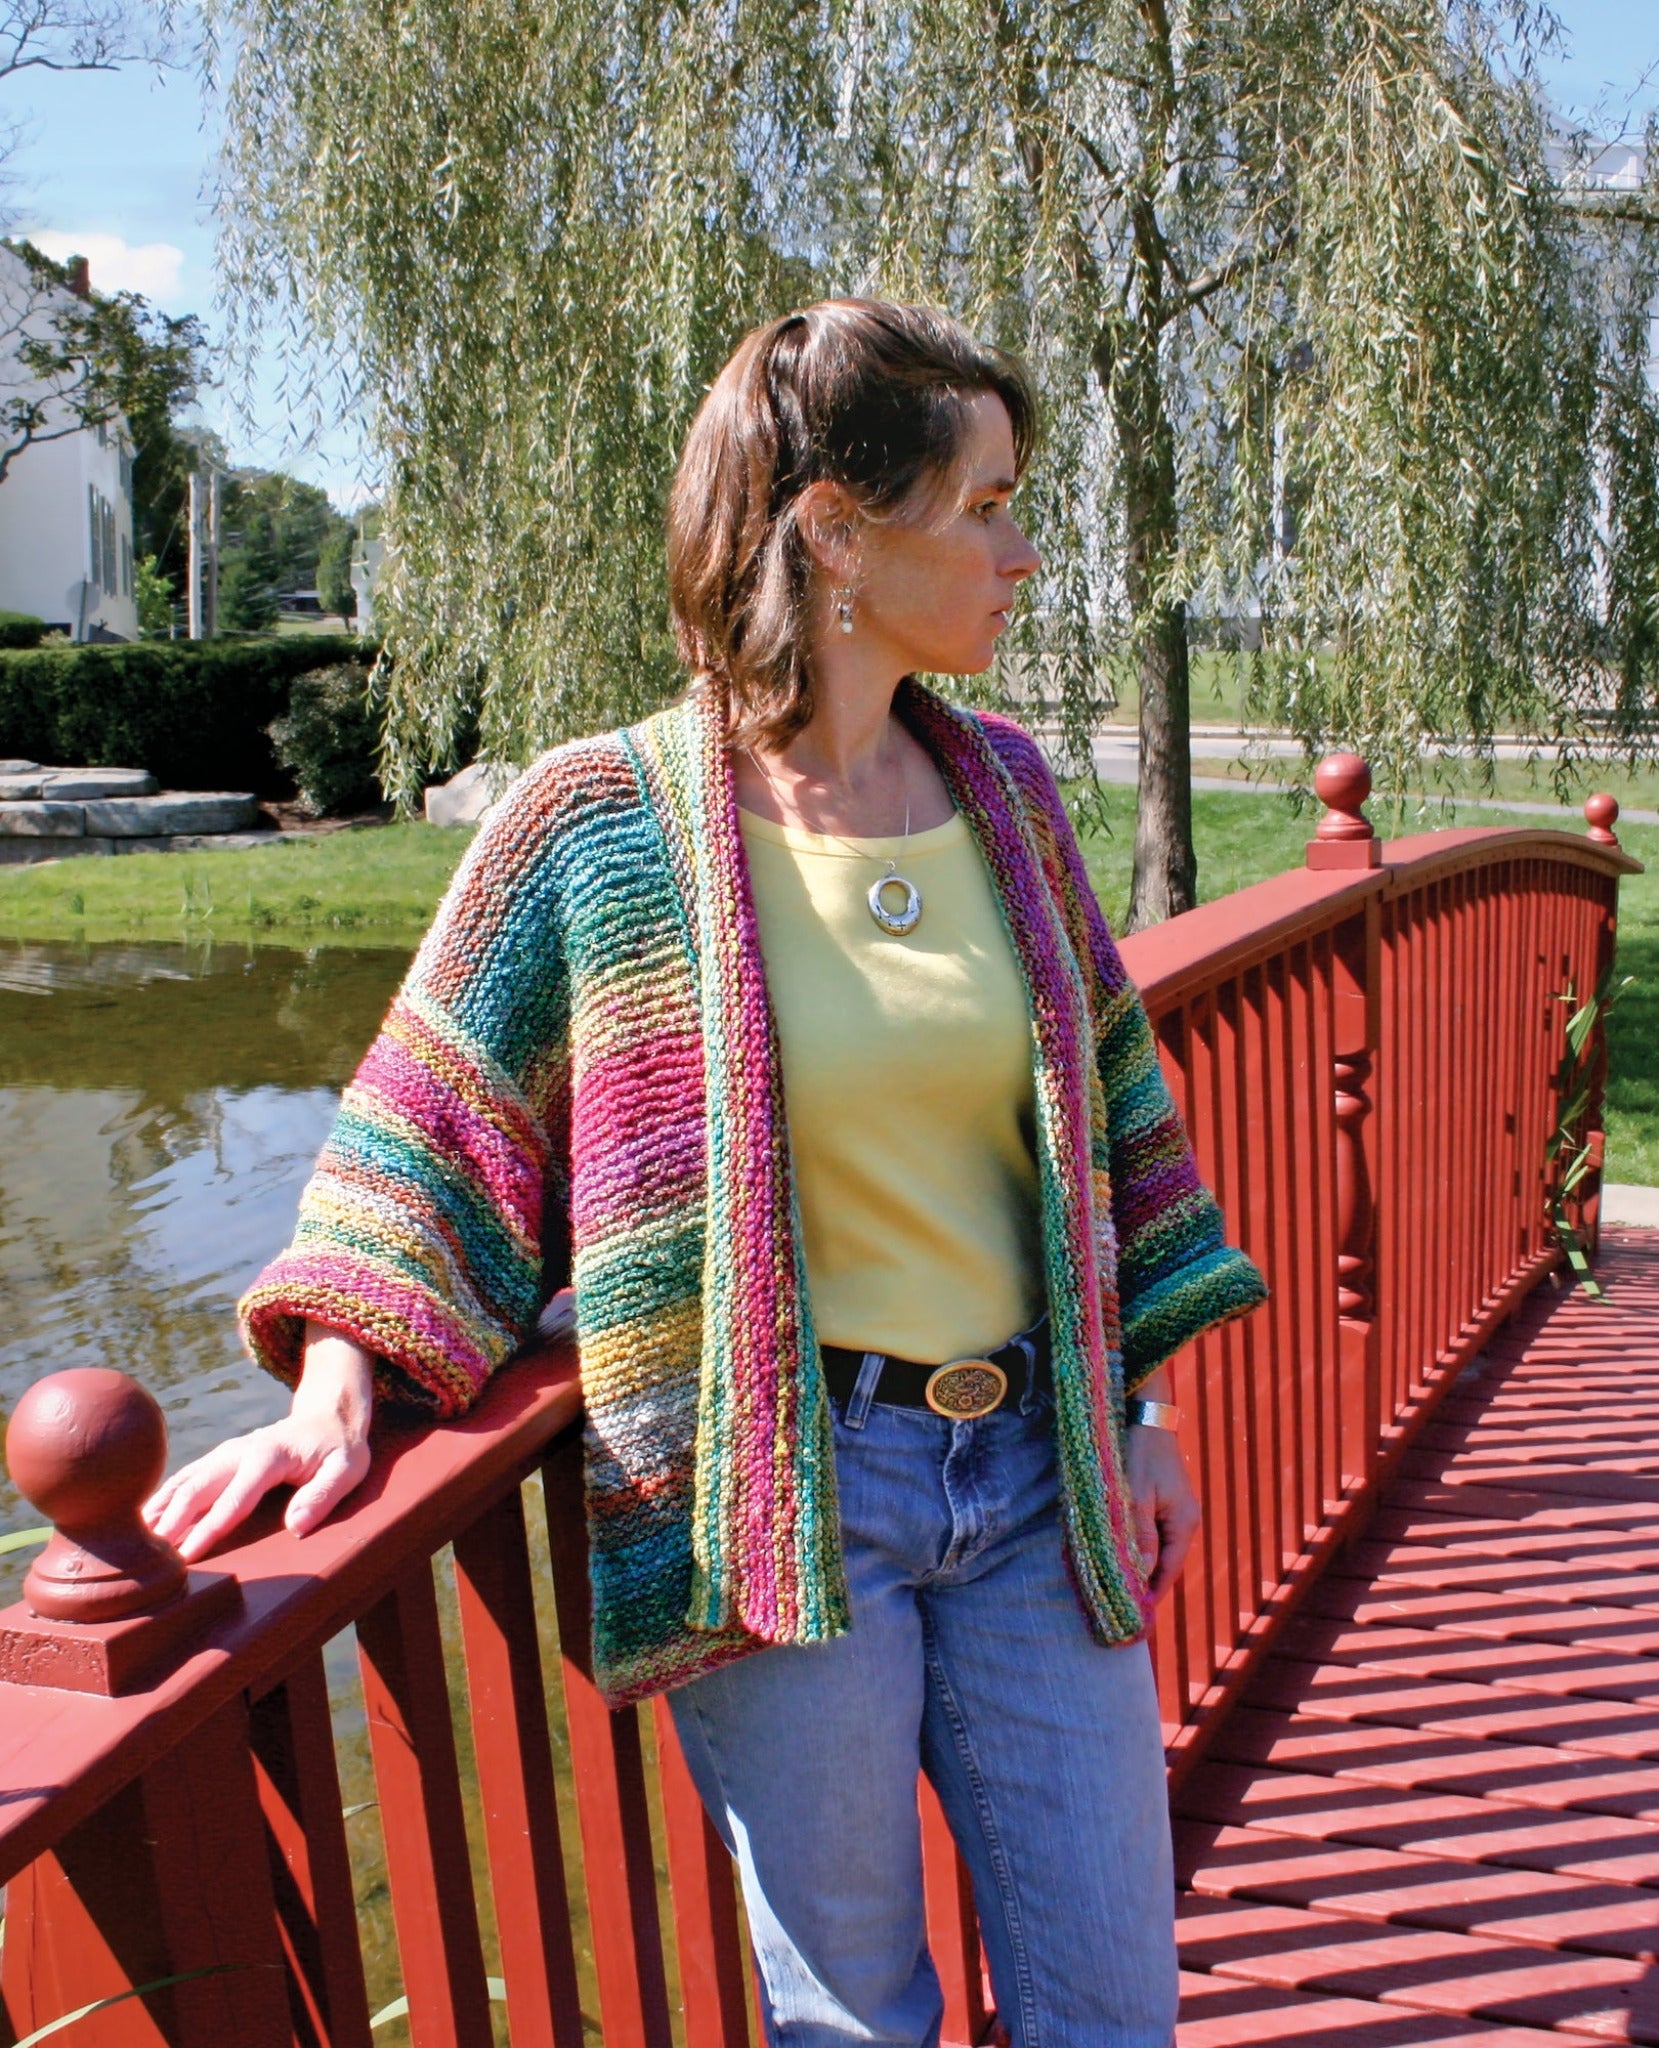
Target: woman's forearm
pixel 336 1379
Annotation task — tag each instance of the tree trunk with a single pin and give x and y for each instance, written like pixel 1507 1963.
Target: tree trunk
pixel 1166 867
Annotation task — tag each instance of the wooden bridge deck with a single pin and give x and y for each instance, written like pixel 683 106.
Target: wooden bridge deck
pixel 1435 1815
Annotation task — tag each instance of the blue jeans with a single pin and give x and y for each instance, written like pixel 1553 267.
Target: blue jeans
pixel 969 1658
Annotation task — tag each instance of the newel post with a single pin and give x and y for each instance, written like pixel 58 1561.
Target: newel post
pixel 106 1604
pixel 165 1887
pixel 1346 838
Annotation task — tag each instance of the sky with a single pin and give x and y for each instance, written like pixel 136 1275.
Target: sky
pixel 114 167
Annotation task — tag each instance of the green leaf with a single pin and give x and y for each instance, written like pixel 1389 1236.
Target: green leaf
pixel 23 1539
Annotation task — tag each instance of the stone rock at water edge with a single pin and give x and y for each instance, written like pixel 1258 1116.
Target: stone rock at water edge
pixel 465 798
pixel 76 785
pixel 149 817
pixel 41 821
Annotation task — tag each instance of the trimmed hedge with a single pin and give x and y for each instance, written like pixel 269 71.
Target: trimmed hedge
pixel 21 629
pixel 194 712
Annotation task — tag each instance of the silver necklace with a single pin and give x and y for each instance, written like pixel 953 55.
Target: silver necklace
pixel 897 923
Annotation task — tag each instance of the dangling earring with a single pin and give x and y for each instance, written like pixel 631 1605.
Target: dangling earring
pixel 844 608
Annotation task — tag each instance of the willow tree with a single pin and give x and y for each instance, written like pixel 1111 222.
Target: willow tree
pixel 1328 370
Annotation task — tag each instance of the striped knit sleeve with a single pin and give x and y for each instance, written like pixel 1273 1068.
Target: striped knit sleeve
pixel 435 1211
pixel 1177 1275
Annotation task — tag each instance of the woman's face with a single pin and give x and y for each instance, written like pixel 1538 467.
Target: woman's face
pixel 933 585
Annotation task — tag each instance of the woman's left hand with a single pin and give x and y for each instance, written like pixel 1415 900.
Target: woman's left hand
pixel 1165 1505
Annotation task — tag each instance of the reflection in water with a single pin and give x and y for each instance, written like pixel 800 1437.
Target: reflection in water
pixel 160 1107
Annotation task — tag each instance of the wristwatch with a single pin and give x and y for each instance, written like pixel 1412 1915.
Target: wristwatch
pixel 1151 1414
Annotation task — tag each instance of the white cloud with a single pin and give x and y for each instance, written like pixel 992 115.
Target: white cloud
pixel 153 268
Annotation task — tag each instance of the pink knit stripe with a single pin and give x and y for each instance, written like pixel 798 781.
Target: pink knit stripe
pixel 637 1121
pixel 377 1307
pixel 505 1168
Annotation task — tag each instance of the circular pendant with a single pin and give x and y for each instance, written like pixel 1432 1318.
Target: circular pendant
pixel 901 922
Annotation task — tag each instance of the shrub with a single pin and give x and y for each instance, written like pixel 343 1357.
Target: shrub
pixel 327 740
pixel 20 629
pixel 194 712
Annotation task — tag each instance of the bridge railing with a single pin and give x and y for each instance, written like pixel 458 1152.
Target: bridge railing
pixel 1364 1051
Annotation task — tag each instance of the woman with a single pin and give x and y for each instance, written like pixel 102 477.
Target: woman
pixel 786 1023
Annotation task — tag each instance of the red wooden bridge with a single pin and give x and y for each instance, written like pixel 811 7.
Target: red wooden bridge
pixel 1434 1814
pixel 1410 1676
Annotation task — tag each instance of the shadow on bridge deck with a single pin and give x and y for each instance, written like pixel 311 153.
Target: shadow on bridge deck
pixel 1434 1817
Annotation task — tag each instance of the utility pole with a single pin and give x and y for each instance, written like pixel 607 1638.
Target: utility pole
pixel 210 586
pixel 193 570
pixel 203 568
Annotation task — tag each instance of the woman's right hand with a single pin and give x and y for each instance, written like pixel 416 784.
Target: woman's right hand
pixel 320 1448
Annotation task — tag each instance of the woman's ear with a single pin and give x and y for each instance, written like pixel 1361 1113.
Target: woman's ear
pixel 826 517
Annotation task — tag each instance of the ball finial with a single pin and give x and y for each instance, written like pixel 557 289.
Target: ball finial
pixel 87 1448
pixel 1601 814
pixel 1342 782
pixel 1344 837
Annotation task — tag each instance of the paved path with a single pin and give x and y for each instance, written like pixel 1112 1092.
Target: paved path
pixel 1435 1816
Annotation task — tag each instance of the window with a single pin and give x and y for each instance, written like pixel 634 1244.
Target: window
pixel 95 508
pixel 126 567
pixel 112 559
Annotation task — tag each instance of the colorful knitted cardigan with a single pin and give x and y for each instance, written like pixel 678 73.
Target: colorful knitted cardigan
pixel 583 1066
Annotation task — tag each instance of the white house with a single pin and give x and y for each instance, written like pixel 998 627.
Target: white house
pixel 66 519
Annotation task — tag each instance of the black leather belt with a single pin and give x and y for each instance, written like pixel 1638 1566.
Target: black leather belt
pixel 962 1389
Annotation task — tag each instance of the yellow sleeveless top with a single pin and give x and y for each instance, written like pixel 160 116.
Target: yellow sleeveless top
pixel 907 1072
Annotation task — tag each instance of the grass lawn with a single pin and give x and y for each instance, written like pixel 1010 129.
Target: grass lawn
pixel 379 888
pixel 372 887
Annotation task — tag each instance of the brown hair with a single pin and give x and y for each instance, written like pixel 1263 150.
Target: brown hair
pixel 851 391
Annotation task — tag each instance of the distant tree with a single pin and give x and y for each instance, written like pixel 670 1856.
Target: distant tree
pixel 288 522
pixel 155 596
pixel 248 590
pixel 1328 351
pixel 334 586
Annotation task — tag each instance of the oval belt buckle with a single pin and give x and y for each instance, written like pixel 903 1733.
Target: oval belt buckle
pixel 966 1389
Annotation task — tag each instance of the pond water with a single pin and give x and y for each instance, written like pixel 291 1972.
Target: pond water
pixel 160 1108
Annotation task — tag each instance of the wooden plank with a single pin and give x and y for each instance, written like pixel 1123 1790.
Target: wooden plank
pixel 1426 1653
pixel 714 1989
pixel 1453 1824
pixel 1524 1774
pixel 1221 2012
pixel 1405 1888
pixel 412 1741
pixel 1488 1615
pixel 1340 1692
pixel 171 1878
pixel 608 1769
pixel 1429 1970
pixel 292 1737
pixel 515 1778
